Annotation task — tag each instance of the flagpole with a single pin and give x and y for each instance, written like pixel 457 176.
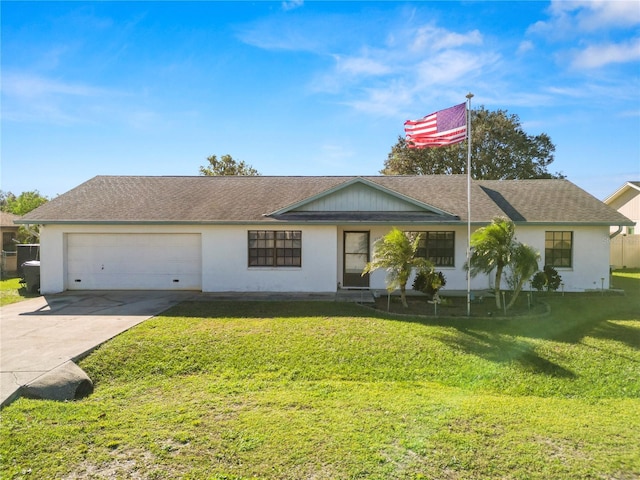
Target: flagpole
pixel 469 97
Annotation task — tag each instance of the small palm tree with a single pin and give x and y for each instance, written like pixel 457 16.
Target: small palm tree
pixel 492 249
pixel 524 263
pixel 396 253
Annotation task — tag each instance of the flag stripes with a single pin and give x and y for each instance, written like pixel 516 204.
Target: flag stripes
pixel 445 127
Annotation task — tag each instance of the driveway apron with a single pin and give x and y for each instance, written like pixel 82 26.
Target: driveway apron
pixel 40 334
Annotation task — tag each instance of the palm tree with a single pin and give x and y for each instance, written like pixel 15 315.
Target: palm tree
pixel 396 253
pixel 524 263
pixel 492 249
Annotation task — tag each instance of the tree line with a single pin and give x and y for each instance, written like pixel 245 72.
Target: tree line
pixel 500 150
pixel 20 205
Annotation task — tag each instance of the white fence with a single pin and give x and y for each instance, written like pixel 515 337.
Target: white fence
pixel 625 251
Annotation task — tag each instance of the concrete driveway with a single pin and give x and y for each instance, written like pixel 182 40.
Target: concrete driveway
pixel 41 334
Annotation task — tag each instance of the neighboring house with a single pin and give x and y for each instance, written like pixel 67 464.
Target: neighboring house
pixel 625 245
pixel 9 231
pixel 302 234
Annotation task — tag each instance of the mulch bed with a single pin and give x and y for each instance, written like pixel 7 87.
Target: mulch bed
pixel 457 307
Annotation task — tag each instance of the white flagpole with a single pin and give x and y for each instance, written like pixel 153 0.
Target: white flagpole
pixel 469 97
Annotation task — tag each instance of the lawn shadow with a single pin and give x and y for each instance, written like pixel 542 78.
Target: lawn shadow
pixel 495 348
pixel 573 317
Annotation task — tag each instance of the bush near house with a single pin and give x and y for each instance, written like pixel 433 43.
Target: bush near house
pixel 429 282
pixel 547 279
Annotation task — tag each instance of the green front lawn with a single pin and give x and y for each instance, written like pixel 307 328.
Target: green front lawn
pixel 11 291
pixel 294 390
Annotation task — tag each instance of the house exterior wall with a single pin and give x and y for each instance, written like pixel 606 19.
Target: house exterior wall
pixel 590 260
pixel 53 269
pixel 225 261
pixel 456 276
pixel 225 256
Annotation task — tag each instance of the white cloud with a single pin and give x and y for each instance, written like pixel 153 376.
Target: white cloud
pixel 28 97
pixel 525 46
pixel 452 67
pixel 292 4
pixel 569 18
pixel 635 113
pixel 431 38
pixel 361 66
pixel 598 31
pixel 296 31
pixel 388 100
pixel 32 86
pixel 421 62
pixel 591 15
pixel 596 56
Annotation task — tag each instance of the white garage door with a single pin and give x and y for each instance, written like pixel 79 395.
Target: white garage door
pixel 134 262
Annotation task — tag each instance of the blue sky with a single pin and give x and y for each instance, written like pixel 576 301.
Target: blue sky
pixel 306 88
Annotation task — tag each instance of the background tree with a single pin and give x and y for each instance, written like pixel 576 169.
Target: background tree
pixel 21 205
pixel 398 254
pixel 226 166
pixel 500 150
pixel 4 199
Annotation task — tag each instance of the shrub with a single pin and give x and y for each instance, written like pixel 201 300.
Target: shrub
pixel 429 282
pixel 548 279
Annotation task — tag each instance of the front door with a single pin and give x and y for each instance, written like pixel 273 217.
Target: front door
pixel 356 256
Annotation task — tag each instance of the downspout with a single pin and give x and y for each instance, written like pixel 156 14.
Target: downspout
pixel 616 233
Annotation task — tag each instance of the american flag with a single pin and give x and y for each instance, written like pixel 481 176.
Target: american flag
pixel 441 128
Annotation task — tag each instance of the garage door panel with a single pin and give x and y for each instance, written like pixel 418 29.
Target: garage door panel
pixel 134 261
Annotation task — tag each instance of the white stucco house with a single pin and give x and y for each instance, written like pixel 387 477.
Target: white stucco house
pixel 302 234
pixel 625 244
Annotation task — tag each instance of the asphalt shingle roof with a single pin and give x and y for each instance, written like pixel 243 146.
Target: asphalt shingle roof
pixel 7 219
pixel 236 199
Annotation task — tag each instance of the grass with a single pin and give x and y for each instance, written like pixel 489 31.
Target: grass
pixel 11 291
pixel 227 390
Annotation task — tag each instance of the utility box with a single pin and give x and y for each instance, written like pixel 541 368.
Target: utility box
pixel 31 275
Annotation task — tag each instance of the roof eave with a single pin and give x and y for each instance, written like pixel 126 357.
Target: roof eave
pixel 620 191
pixel 577 223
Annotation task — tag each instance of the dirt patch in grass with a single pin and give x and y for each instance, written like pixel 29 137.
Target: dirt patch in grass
pixel 134 466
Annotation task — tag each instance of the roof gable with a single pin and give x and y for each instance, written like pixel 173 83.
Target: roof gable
pixel 359 195
pixel 624 194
